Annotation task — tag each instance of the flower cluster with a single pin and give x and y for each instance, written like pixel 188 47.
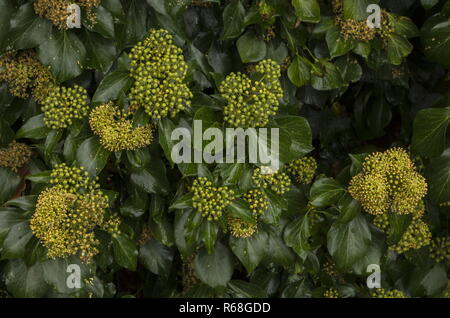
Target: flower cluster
pixel 257 200
pixel 57 11
pixel 210 201
pixel 389 181
pixel 276 181
pixel 68 212
pixel 383 293
pixel 63 105
pixel 26 75
pixel 116 131
pixel 440 249
pixel 252 102
pixel 416 236
pixel 331 293
pixel 159 69
pixel 359 30
pixel 15 155
pixel 303 169
pixel 241 228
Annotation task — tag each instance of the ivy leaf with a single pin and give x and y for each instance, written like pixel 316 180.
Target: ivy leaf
pixel 125 252
pixel 216 269
pixel 208 233
pixel 92 156
pixel 337 44
pixel 27 29
pixel 250 251
pixel 429 131
pixel 25 282
pixel 299 71
pixel 297 234
pixel 65 53
pixel 233 20
pixel 100 51
pixel 329 77
pixel 307 10
pixel 111 87
pixel 435 36
pixel 251 49
pixel 325 191
pixel 151 179
pixel 398 47
pixel 429 281
pixel 9 184
pixel 34 128
pixel 6 10
pixel 6 133
pixel 350 69
pixel 243 289
pixel 348 242
pixel 15 242
pixel 438 178
pixel 156 257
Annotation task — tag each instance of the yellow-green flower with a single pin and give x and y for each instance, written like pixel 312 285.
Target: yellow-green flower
pixel 389 181
pixel 67 214
pixel 276 181
pixel 15 155
pixel 416 236
pixel 210 201
pixel 257 200
pixel 241 228
pixel 159 69
pixel 251 102
pixel 383 293
pixel 331 293
pixel 116 131
pixel 26 75
pixel 303 169
pixel 64 105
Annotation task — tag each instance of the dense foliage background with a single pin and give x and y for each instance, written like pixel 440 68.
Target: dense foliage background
pixel 344 96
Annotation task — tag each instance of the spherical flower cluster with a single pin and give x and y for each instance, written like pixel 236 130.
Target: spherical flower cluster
pixel 303 169
pixel 241 228
pixel 159 69
pixel 116 131
pixel 416 236
pixel 252 102
pixel 331 293
pixel 68 212
pixel 383 293
pixel 389 181
pixel 276 181
pixel 57 10
pixel 72 179
pixel 257 200
pixel 210 201
pixel 15 155
pixel 26 75
pixel 440 249
pixel 64 105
